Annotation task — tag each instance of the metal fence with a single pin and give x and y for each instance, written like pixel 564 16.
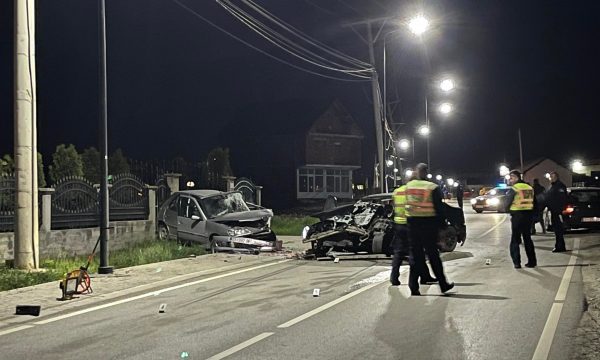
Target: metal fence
pixel 247 188
pixel 7 201
pixel 76 201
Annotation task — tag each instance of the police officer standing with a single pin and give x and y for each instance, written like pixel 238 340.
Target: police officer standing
pixel 424 211
pixel 520 197
pixel 556 199
pixel 400 243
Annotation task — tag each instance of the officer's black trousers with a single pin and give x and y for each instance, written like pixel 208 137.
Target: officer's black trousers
pixel 559 230
pixel 521 228
pixel 423 235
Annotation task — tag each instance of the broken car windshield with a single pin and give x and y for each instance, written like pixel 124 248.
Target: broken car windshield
pixel 223 204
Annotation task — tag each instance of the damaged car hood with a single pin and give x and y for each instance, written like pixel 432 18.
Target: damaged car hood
pixel 245 216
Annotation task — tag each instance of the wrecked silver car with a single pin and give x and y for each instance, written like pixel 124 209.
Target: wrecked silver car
pixel 222 221
pixel 366 227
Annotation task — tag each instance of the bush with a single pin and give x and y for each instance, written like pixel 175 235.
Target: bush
pixel 291 224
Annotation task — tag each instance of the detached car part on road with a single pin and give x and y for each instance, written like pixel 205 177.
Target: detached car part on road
pixel 366 227
pixel 221 221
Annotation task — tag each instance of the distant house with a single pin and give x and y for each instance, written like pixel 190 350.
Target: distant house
pixel 538 169
pixel 332 151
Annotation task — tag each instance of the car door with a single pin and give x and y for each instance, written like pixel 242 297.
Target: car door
pixel 191 224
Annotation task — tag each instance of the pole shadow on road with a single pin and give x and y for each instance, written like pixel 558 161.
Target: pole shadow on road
pixel 471 296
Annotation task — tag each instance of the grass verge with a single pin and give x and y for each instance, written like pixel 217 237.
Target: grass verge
pixel 291 224
pixel 150 251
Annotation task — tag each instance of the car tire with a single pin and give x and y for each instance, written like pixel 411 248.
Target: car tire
pixel 479 211
pixel 447 239
pixel 163 232
pixel 213 246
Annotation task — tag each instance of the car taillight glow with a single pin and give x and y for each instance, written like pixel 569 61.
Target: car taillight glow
pixel 568 210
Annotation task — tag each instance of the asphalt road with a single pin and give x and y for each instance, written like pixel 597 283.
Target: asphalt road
pixel 494 312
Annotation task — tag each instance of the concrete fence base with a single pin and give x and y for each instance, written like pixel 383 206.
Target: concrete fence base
pixel 71 242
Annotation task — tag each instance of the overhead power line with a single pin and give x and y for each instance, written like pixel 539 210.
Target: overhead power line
pixel 199 16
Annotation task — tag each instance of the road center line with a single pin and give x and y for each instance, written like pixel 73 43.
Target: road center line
pixel 545 343
pixel 493 228
pixel 18 328
pixel 330 304
pixel 241 346
pixel 154 293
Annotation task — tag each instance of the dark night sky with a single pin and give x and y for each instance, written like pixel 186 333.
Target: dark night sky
pixel 175 82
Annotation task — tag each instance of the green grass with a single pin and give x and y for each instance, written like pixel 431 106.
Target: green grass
pixel 147 252
pixel 291 224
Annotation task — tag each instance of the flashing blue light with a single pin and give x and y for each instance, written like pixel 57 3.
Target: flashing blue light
pixel 501 185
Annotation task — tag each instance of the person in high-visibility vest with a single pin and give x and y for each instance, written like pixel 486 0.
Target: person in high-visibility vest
pixel 520 201
pixel 400 245
pixel 425 217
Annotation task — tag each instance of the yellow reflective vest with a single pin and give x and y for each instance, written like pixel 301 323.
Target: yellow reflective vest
pixel 523 200
pixel 399 198
pixel 419 198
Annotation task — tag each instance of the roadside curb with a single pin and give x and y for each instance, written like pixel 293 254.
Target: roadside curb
pixel 123 282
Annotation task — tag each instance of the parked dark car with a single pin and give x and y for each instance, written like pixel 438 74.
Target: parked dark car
pixel 583 208
pixel 492 200
pixel 366 227
pixel 219 220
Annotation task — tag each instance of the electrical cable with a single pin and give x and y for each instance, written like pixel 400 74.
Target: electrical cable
pixel 269 35
pixel 190 10
pixel 307 38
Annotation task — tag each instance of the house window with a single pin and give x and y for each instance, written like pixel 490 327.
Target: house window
pixel 322 180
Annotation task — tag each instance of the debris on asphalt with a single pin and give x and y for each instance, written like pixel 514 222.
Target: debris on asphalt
pixel 33 310
pixel 184 355
pixel 488 261
pixel 162 308
pixel 158 270
pixel 316 292
pixel 336 260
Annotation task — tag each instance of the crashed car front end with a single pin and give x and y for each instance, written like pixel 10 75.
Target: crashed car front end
pixel 365 227
pixel 243 232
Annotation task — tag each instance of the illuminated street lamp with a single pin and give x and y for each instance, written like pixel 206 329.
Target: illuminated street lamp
pixel 504 170
pixel 447 85
pixel 404 144
pixel 389 163
pixel 429 176
pixel 445 108
pixel 418 25
pixel 424 130
pixel 408 173
pixel 577 166
pixel 438 177
pixel 450 181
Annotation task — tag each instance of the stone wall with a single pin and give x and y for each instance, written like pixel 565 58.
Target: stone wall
pixel 81 241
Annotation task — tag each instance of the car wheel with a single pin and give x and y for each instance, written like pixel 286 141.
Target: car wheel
pixel 213 246
pixel 479 211
pixel 447 239
pixel 163 232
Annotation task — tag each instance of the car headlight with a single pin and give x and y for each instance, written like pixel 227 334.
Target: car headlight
pixel 473 201
pixel 493 201
pixel 305 232
pixel 238 232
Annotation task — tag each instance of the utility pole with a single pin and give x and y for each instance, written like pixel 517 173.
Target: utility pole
pixel 103 124
pixel 521 150
pixel 370 41
pixel 26 242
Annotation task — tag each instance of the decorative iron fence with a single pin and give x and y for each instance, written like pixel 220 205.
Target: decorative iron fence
pixel 128 198
pixel 162 191
pixel 247 188
pixel 74 204
pixel 7 201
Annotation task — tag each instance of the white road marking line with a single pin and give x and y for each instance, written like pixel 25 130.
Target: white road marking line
pixel 18 328
pixel 545 343
pixel 493 228
pixel 154 293
pixel 327 306
pixel 241 346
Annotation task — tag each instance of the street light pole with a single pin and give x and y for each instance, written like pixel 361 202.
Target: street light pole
pixel 103 125
pixel 427 123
